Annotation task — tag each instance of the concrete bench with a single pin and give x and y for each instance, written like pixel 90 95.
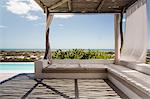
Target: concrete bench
pixel 133 83
pixel 75 68
pixel 70 69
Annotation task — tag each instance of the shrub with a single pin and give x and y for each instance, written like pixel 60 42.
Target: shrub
pixel 81 54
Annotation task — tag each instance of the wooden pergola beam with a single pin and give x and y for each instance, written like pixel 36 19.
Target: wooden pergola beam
pixel 121 31
pixel 69 5
pixel 117 38
pixel 130 3
pixel 57 4
pixel 100 6
pixel 48 53
pixel 118 35
pixel 103 6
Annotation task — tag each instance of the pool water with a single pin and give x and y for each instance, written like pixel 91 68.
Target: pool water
pixel 16 67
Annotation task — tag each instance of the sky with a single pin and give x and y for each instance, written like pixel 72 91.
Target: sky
pixel 22 26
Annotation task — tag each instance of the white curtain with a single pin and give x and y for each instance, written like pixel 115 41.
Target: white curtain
pixel 135 37
pixel 148 12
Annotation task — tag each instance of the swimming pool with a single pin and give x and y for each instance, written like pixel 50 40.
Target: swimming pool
pixel 17 67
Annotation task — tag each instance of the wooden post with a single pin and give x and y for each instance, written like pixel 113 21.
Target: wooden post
pixel 117 38
pixel 48 54
pixel 121 31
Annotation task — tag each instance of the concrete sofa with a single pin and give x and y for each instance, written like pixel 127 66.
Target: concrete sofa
pixel 133 79
pixel 71 69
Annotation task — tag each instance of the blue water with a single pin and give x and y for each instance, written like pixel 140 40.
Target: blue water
pixel 16 67
pixel 51 49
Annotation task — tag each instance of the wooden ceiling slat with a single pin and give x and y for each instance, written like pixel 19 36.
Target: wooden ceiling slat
pixel 85 6
pixel 58 4
pixel 69 5
pixel 100 5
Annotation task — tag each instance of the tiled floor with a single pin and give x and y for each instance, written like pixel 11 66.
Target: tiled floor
pixel 4 76
pixel 24 86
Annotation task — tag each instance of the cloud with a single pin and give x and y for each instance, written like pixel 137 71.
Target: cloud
pixel 61 25
pixel 34 6
pixel 39 24
pixel 24 8
pixel 17 7
pixel 31 17
pixel 2 26
pixel 27 9
pixel 63 16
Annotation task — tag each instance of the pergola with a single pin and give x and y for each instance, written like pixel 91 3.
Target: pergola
pixel 116 7
pixel 129 73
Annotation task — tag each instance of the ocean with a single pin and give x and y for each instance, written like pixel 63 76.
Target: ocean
pixel 52 49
